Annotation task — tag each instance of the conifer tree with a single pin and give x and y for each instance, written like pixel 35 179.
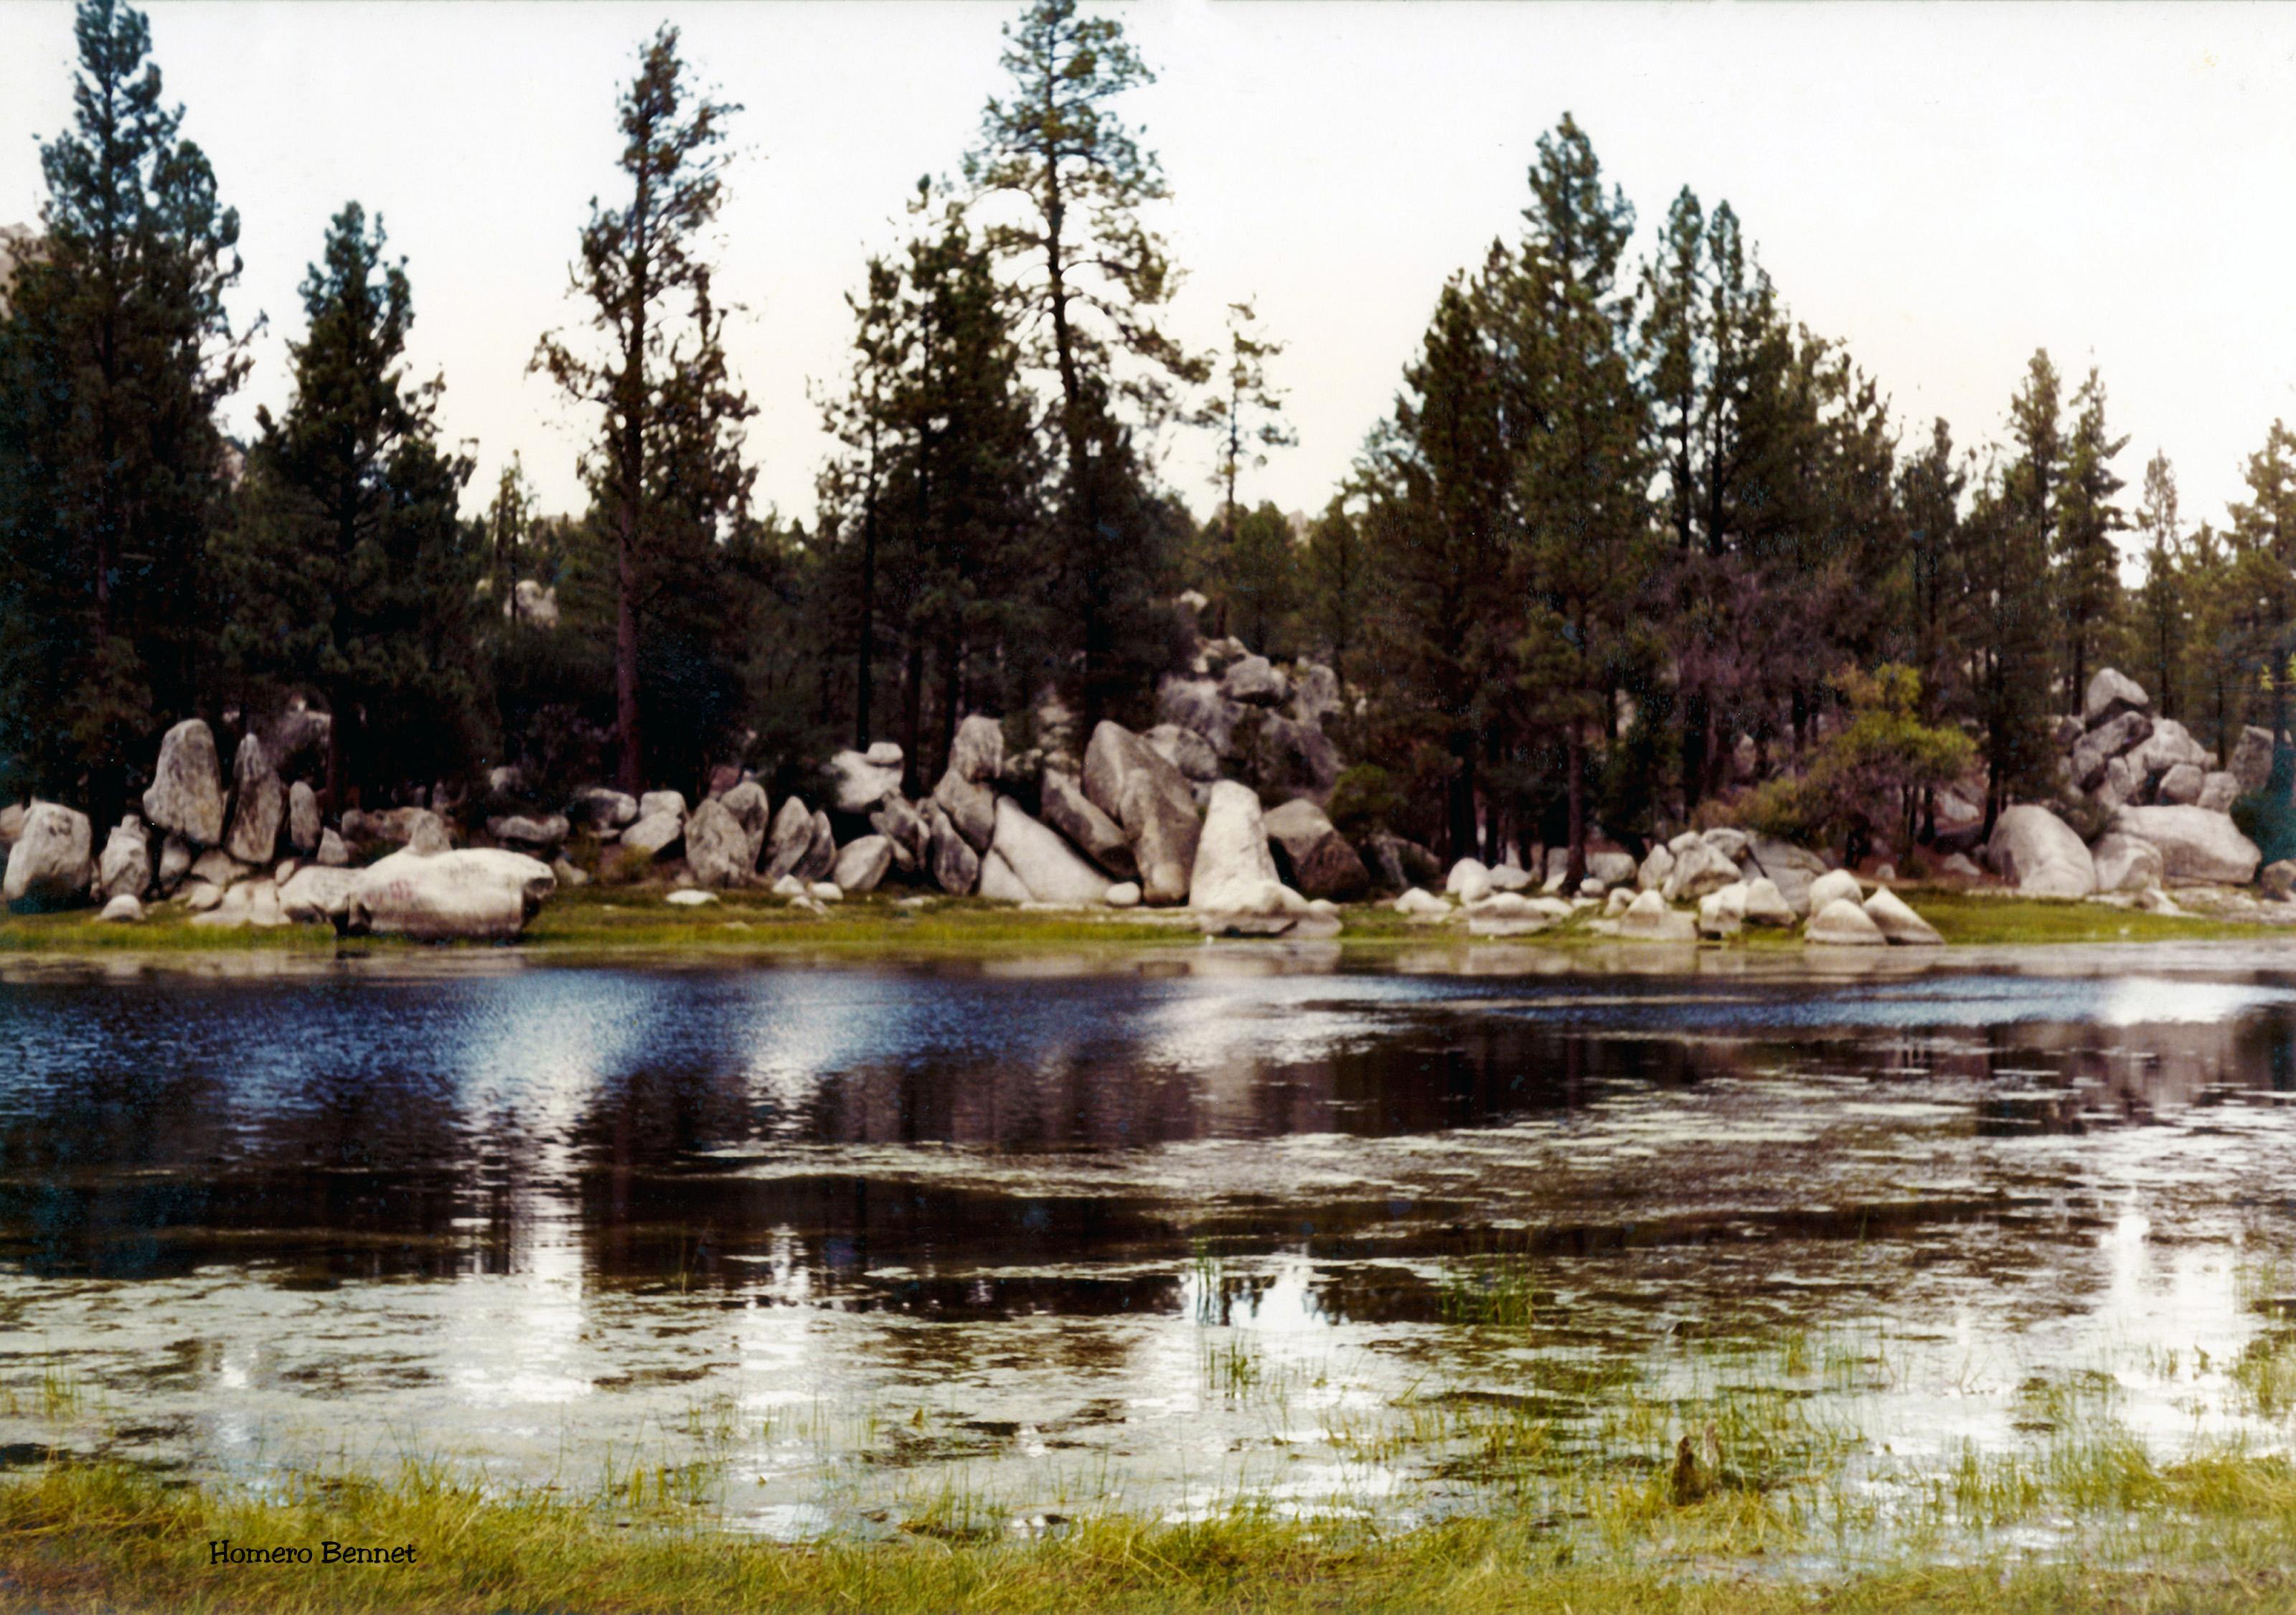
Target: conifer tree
pixel 350 574
pixel 2088 562
pixel 1067 186
pixel 666 472
pixel 1439 482
pixel 2157 611
pixel 1586 541
pixel 114 352
pixel 1246 414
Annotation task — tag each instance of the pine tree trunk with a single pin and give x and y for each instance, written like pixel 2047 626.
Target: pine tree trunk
pixel 1577 770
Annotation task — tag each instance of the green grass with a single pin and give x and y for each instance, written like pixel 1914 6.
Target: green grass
pixel 600 920
pixel 103 1537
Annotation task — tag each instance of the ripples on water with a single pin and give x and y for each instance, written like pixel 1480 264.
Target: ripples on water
pixel 1159 1236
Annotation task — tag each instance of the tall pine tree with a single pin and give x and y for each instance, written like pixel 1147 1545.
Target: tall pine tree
pixel 114 354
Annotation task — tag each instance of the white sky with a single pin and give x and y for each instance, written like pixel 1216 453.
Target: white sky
pixel 1944 186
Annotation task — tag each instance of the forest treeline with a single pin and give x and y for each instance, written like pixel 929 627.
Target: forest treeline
pixel 1631 542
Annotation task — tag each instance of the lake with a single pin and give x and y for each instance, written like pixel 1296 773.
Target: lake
pixel 846 1248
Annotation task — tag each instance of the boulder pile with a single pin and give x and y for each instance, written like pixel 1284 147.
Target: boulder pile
pixel 2161 800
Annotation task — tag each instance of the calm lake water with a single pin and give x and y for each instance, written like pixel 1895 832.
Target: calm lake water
pixel 834 1247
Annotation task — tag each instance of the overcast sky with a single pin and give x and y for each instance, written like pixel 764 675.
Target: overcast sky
pixel 1943 187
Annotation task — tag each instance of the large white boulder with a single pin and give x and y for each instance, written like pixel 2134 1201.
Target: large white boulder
pixel 746 802
pixel 1097 836
pixel 862 864
pixel 2171 746
pixel 1698 869
pixel 1469 880
pixel 318 894
pixel 788 840
pixel 654 834
pixel 2126 864
pixel 954 865
pixel 1766 905
pixel 598 807
pixel 259 805
pixel 2196 845
pixel 124 869
pixel 1791 867
pixel 1833 884
pixel 718 846
pixel 2041 853
pixel 1722 913
pixel 48 866
pixel 1320 862
pixel 2110 693
pixel 1897 922
pixel 1130 781
pixel 304 827
pixel 478 894
pixel 1656 865
pixel 1843 923
pixel 1035 857
pixel 1648 919
pixel 186 790
pixel 857 783
pixel 1233 887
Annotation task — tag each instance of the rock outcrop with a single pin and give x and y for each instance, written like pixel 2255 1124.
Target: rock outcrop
pixel 1130 781
pixel 186 791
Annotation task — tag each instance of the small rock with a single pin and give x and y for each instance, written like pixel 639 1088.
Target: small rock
pixel 653 802
pixel 333 851
pixel 690 896
pixel 1124 894
pixel 826 891
pixel 125 909
pixel 1422 904
pixel 1766 905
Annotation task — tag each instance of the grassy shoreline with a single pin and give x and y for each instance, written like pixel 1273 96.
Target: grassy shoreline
pixel 107 1537
pixel 639 921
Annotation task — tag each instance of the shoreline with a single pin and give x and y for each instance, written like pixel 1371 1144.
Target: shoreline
pixel 639 923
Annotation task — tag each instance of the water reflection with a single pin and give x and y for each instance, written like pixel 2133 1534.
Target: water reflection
pixel 506 1212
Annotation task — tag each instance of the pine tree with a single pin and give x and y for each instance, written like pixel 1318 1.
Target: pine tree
pixel 1338 587
pixel 2006 580
pixel 350 574
pixel 1929 488
pixel 1438 482
pixel 1262 582
pixel 1246 414
pixel 2263 546
pixel 1586 541
pixel 115 353
pixel 1067 184
pixel 666 472
pixel 2086 579
pixel 2157 611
